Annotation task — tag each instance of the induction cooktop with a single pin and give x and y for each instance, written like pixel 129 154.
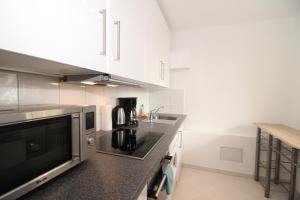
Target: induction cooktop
pixel 128 142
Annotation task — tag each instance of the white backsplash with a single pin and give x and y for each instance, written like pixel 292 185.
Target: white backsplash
pixel 26 89
pixel 35 89
pixel 110 95
pixel 73 94
pixel 172 100
pixel 8 90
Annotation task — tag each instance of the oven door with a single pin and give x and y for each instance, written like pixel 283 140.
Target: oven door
pixel 30 151
pixel 156 186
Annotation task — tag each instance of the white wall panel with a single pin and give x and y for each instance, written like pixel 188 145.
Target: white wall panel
pixel 239 74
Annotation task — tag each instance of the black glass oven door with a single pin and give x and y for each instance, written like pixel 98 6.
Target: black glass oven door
pixel 30 149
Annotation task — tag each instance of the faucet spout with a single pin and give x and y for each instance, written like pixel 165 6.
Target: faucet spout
pixel 153 113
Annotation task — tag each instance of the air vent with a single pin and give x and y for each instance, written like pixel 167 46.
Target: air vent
pixel 231 154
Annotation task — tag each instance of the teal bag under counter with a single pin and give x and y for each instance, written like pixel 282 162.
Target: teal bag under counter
pixel 168 172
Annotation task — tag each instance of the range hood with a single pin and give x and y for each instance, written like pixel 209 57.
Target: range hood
pixel 12 61
pixel 101 79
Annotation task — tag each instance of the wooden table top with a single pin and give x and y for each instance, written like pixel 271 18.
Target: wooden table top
pixel 284 133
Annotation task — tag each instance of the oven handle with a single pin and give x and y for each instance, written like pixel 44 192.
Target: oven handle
pixel 161 184
pixel 167 159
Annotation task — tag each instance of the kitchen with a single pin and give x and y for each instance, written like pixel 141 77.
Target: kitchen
pixel 135 90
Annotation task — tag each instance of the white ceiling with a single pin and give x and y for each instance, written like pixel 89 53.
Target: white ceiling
pixel 193 14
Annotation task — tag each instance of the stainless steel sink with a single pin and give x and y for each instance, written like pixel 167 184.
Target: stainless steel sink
pixel 167 117
pixel 163 119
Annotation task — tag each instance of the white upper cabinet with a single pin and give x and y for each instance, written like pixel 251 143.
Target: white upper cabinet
pixel 127 38
pixel 126 25
pixel 157 45
pixel 68 31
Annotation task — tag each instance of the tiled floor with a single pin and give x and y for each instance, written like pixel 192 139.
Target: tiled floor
pixel 203 185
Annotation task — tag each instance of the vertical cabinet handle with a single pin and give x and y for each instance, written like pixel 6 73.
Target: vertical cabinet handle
pixel 161 70
pixel 180 139
pixel 118 38
pixel 103 13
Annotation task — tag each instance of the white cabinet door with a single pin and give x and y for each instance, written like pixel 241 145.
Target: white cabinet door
pixel 143 195
pixel 157 45
pixel 173 152
pixel 179 156
pixel 127 38
pixel 165 55
pixel 153 60
pixel 165 73
pixel 68 31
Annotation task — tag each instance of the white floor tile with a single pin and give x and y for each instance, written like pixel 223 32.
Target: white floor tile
pixel 204 185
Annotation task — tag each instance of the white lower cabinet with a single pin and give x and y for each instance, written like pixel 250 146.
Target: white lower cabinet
pixel 179 156
pixel 175 150
pixel 143 195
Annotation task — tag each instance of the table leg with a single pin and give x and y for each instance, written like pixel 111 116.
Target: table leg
pixel 257 154
pixel 268 167
pixel 277 161
pixel 293 174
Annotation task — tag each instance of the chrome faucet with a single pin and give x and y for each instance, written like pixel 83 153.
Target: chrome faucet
pixel 153 113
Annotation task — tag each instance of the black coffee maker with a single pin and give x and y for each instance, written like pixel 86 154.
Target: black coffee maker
pixel 129 106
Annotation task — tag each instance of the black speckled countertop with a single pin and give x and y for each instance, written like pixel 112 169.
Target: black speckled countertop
pixel 108 177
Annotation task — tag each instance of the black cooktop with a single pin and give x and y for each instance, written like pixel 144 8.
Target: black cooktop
pixel 128 142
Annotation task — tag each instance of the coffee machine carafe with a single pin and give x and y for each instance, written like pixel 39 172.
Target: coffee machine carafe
pixel 129 105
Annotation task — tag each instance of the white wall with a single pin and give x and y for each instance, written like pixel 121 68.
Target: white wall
pixel 239 74
pixel 294 105
pixel 24 89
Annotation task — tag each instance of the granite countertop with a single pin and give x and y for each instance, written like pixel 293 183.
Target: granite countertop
pixel 108 177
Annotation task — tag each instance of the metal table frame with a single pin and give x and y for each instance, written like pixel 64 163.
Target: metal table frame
pixel 277 148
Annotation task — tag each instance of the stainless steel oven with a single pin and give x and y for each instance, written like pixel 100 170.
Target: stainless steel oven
pixel 39 143
pixel 158 180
